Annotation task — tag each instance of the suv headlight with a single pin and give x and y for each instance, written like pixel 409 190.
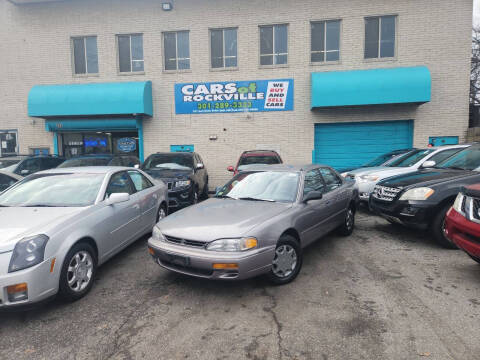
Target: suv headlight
pixel 457 205
pixel 182 183
pixel 28 252
pixel 366 178
pixel 241 244
pixel 417 194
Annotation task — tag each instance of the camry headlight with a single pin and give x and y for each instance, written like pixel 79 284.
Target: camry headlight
pixel 241 244
pixel 344 174
pixel 157 234
pixel 366 178
pixel 457 205
pixel 28 252
pixel 182 183
pixel 421 193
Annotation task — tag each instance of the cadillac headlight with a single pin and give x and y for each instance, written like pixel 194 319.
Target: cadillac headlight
pixel 417 194
pixel 28 252
pixel 182 183
pixel 241 244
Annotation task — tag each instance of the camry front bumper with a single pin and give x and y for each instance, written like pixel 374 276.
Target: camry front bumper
pixel 365 188
pixel 38 281
pixel 200 262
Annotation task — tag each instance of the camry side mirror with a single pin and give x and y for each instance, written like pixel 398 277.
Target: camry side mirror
pixel 136 166
pixel 231 169
pixel 428 164
pixel 312 195
pixel 117 198
pixel 200 166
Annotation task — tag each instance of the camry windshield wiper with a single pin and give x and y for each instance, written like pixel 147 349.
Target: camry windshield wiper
pixel 255 199
pixel 38 205
pixel 456 168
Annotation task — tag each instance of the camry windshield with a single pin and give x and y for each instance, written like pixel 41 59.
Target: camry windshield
pixel 379 160
pixel 468 159
pixel 411 158
pixel 169 161
pixel 93 161
pixel 54 190
pixel 262 186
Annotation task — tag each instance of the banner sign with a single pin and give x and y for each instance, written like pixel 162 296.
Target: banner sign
pixel 234 96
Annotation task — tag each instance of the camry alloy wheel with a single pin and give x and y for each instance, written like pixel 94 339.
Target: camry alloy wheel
pixel 80 270
pixel 161 213
pixel 285 261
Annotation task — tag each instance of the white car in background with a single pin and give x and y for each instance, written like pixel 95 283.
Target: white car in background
pixel 367 178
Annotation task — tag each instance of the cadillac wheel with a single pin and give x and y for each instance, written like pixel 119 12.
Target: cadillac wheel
pixel 78 272
pixel 287 260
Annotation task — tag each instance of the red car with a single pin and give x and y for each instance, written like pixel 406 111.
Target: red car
pixel 256 157
pixel 462 223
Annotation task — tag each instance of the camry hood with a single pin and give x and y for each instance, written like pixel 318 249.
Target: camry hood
pixel 19 222
pixel 220 218
pixel 428 177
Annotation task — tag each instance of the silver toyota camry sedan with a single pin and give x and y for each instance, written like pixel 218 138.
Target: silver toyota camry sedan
pixel 256 224
pixel 57 226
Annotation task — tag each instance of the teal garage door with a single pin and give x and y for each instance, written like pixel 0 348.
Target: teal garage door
pixel 349 145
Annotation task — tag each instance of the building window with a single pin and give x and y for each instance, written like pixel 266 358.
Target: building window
pixel 85 55
pixel 223 48
pixel 273 44
pixel 8 142
pixel 130 53
pixel 176 47
pixel 380 37
pixel 325 41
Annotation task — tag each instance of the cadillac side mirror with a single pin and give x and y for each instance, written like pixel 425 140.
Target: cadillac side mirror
pixel 136 166
pixel 428 164
pixel 231 169
pixel 117 198
pixel 200 166
pixel 312 195
pixel 24 172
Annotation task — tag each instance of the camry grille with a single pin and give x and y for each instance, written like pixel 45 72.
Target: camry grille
pixel 385 193
pixel 184 242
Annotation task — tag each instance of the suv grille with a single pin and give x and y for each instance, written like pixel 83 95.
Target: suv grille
pixel 385 193
pixel 185 242
pixel 475 207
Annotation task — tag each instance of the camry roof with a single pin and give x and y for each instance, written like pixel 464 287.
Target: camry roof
pixel 85 170
pixel 280 167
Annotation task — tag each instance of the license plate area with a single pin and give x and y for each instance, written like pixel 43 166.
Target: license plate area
pixel 177 259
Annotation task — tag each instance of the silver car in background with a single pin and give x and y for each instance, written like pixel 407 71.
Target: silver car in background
pixel 258 223
pixel 367 178
pixel 58 225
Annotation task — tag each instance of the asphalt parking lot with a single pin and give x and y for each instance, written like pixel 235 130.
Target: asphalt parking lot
pixel 384 293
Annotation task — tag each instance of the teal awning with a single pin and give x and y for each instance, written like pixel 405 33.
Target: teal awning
pixel 121 98
pixel 371 87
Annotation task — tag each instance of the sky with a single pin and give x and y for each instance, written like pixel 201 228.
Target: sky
pixel 476 12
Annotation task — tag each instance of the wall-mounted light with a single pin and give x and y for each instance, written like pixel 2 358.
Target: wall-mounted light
pixel 213 137
pixel 167 6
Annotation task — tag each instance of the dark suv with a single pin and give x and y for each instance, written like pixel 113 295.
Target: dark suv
pixel 184 174
pixel 102 160
pixel 421 199
pixel 250 157
pixel 27 165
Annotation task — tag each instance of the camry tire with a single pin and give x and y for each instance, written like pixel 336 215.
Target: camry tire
pixel 346 228
pixel 78 272
pixel 437 227
pixel 287 261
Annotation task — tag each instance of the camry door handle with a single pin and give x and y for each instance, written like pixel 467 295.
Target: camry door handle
pixel 136 206
pixel 155 196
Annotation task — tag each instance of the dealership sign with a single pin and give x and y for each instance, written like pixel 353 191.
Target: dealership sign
pixel 234 96
pixel 126 144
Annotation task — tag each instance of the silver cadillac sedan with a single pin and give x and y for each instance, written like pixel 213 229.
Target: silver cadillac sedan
pixel 57 226
pixel 256 224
